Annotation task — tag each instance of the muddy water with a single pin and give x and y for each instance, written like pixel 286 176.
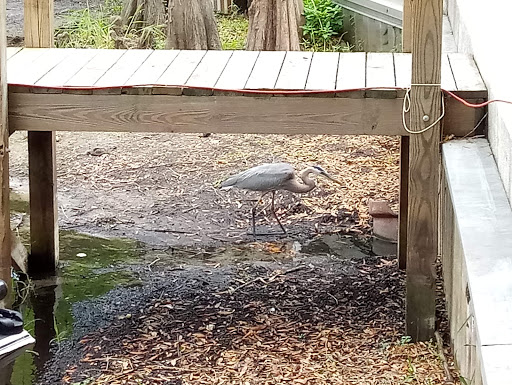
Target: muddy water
pixel 90 267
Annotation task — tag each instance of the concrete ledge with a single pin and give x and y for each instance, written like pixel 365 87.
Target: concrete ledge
pixel 476 248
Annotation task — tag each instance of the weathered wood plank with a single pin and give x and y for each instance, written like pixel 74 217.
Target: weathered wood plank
pixel 323 71
pixel 208 72
pixel 466 74
pixel 295 70
pixel 27 112
pixel 266 70
pixel 403 71
pixel 20 63
pixel 351 71
pixel 124 68
pixel 62 72
pixel 447 80
pixel 380 70
pixel 181 68
pixel 11 51
pixel 228 114
pixel 237 71
pixel 44 229
pixel 5 225
pixel 153 67
pixel 38 23
pixel 40 67
pixel 94 69
pixel 422 234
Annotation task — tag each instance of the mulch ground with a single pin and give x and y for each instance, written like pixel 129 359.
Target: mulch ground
pixel 311 322
pixel 163 188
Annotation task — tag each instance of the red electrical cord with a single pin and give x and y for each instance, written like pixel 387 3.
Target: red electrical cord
pixel 259 91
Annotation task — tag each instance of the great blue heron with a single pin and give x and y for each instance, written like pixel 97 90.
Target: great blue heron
pixel 270 177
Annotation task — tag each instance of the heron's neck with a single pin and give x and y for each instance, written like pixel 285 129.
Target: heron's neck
pixel 309 183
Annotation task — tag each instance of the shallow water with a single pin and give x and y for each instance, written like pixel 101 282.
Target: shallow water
pixel 49 301
pixel 91 266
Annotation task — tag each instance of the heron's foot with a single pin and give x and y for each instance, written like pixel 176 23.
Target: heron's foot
pixel 266 234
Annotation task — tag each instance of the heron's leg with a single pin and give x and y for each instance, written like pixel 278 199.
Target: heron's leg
pixel 254 212
pixel 274 212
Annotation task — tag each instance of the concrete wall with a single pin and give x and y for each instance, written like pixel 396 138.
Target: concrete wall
pixel 476 249
pixel 483 29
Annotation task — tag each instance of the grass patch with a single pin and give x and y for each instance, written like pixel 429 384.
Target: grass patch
pixel 101 28
pixel 233 30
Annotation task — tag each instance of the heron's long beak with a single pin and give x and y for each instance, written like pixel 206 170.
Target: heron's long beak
pixel 333 179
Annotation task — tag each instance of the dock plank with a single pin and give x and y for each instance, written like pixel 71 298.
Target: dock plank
pixel 380 70
pixel 67 68
pixel 124 68
pixel 181 68
pixel 295 70
pixel 351 71
pixel 45 63
pixel 209 70
pixel 11 51
pixel 237 71
pixel 447 80
pixel 465 72
pixel 154 66
pixel 323 71
pixel 403 69
pixel 266 70
pixel 95 68
pixel 22 61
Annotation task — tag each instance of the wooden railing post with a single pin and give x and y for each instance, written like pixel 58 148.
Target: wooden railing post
pixel 404 150
pixel 44 239
pixel 422 234
pixel 5 226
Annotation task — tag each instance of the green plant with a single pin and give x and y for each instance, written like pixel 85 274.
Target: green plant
pixel 233 29
pixel 323 26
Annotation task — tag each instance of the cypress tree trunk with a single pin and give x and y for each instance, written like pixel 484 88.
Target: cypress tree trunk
pixel 275 25
pixel 192 25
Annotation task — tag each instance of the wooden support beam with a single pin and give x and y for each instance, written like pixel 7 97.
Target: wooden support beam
pixel 5 226
pixel 221 114
pixel 422 235
pixel 44 238
pixel 404 150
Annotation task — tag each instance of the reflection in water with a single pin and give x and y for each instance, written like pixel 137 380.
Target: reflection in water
pixel 46 304
pixel 90 267
pixel 43 301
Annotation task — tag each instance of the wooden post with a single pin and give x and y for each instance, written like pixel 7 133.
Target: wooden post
pixel 423 169
pixel 5 226
pixel 44 239
pixel 404 150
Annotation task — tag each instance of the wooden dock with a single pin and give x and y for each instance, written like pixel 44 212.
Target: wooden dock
pixel 356 93
pixel 53 90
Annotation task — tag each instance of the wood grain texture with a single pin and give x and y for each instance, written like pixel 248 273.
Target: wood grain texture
pixel 5 226
pixel 38 23
pixel 422 233
pixel 44 230
pixel 223 114
pixel 67 112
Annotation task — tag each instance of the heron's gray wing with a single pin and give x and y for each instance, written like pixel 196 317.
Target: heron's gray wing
pixel 265 177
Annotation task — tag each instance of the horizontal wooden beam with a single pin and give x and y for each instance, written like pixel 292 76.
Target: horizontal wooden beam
pixel 217 114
